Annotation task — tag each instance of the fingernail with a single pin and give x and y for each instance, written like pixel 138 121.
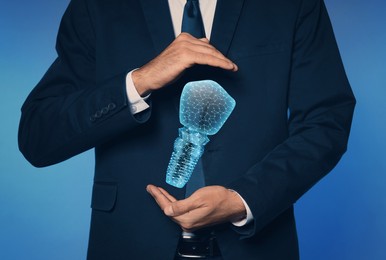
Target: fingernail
pixel 169 211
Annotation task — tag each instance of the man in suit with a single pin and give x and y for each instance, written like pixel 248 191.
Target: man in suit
pixel 116 85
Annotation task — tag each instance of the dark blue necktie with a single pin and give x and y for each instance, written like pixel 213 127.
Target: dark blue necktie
pixel 192 20
pixel 192 24
pixel 196 181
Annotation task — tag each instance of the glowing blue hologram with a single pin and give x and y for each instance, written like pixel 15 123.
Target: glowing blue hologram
pixel 204 108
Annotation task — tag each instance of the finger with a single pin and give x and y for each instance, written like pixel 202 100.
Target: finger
pixel 203 47
pixel 180 207
pixel 198 51
pixel 159 197
pixel 208 55
pixel 167 195
pixel 204 40
pixel 214 61
pixel 195 43
pixel 193 220
pixel 198 45
pixel 187 36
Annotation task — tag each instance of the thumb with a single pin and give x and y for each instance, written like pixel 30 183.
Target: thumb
pixel 179 207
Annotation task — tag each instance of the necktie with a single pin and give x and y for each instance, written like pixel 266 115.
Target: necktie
pixel 192 20
pixel 196 181
pixel 192 24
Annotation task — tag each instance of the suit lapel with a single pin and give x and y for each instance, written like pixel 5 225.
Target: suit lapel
pixel 225 22
pixel 159 23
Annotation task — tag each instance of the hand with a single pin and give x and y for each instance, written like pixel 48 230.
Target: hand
pixel 206 207
pixel 184 52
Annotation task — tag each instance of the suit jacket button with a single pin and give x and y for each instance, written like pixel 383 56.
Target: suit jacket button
pixel 105 110
pixel 111 106
pixel 98 114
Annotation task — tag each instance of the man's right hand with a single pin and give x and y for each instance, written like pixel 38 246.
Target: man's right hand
pixel 184 52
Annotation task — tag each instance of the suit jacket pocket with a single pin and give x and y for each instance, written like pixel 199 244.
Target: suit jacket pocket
pixel 104 196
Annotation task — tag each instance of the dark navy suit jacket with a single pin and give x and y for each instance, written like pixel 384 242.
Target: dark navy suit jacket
pixel 289 128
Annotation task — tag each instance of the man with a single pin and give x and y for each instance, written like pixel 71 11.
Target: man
pixel 116 85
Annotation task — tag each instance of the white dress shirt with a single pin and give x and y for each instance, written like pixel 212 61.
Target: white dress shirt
pixel 138 103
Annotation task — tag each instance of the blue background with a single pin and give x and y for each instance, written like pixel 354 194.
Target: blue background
pixel 45 213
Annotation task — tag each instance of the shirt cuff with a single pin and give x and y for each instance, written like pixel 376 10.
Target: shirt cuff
pixel 248 218
pixel 136 102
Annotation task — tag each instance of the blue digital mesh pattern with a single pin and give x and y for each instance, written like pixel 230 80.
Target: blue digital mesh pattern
pixel 204 108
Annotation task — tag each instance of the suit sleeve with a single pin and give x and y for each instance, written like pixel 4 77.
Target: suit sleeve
pixel 69 112
pixel 321 105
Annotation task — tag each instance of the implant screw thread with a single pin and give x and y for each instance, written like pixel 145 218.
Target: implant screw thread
pixel 188 148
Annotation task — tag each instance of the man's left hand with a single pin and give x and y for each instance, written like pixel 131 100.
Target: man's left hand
pixel 206 207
